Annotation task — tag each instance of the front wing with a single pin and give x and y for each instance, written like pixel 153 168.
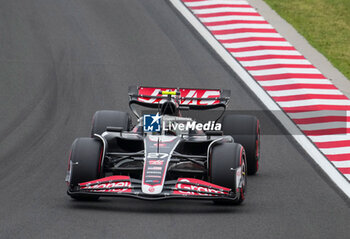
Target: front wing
pixel 124 186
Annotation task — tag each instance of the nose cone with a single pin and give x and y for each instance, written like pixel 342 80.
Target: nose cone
pixel 158 151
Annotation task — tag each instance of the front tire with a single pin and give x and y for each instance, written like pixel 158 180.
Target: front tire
pixel 225 160
pixel 85 164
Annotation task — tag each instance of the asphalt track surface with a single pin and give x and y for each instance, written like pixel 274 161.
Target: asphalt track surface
pixel 60 61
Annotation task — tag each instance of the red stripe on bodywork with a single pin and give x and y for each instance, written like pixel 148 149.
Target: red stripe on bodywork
pixel 106 179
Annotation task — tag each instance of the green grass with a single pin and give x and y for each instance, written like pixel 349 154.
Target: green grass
pixel 324 23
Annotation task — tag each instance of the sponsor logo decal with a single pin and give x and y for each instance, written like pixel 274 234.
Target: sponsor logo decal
pixel 181 188
pixel 151 123
pixel 110 187
pixel 191 125
pixel 154 176
pixel 156 162
pixel 152 181
pixel 154 168
pixel 154 172
pixel 209 95
pixel 157 155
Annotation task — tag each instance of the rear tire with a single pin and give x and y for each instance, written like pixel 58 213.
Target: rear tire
pixel 245 130
pixel 85 164
pixel 104 118
pixel 224 158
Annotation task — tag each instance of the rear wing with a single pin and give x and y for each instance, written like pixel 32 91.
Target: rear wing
pixel 190 98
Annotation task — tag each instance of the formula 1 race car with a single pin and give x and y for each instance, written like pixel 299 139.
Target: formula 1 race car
pixel 165 155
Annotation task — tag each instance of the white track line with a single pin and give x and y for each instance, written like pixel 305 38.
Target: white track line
pixel 303 141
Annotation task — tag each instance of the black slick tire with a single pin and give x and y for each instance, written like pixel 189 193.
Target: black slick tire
pixel 85 164
pixel 224 160
pixel 104 118
pixel 245 130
